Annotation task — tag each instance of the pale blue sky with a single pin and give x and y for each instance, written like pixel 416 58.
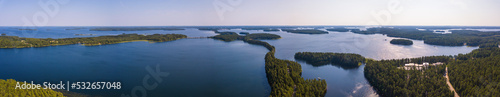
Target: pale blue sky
pixel 252 12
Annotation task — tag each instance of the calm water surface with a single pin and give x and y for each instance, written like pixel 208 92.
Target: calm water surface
pixel 196 67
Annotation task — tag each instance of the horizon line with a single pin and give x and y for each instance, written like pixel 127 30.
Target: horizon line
pixel 242 25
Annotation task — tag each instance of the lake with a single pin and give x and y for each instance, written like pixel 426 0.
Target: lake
pixel 200 67
pixel 350 82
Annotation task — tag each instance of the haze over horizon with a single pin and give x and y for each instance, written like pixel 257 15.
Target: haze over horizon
pixel 249 12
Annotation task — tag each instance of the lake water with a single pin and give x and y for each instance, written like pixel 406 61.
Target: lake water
pixel 200 67
pixel 350 82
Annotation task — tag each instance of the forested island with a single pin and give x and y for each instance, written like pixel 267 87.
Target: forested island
pixel 344 60
pixel 135 28
pixel 244 33
pixel 305 31
pixel 402 42
pixel 457 38
pixel 284 76
pixel 7 89
pixel 230 36
pixel 74 28
pixel 17 42
pixel 263 29
pixel 339 29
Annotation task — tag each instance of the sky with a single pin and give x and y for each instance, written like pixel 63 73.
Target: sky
pixel 248 12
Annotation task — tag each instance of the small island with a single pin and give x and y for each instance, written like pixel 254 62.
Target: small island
pixel 344 60
pixel 401 42
pixel 244 33
pixel 73 28
pixel 339 29
pixel 263 29
pixel 230 36
pixel 305 31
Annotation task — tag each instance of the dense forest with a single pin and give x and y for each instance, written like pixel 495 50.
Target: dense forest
pixel 457 38
pixel 258 36
pixel 389 80
pixel 230 36
pixel 134 28
pixel 17 42
pixel 477 73
pixel 344 60
pixel 244 33
pixel 305 31
pixel 284 76
pixel 7 89
pixel 402 42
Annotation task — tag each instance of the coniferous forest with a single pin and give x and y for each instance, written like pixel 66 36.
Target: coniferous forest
pixel 477 73
pixel 344 60
pixel 389 80
pixel 473 74
pixel 17 42
pixel 402 42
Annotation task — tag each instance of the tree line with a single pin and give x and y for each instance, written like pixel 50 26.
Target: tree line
pixel 17 42
pixel 305 31
pixel 134 28
pixel 456 38
pixel 402 41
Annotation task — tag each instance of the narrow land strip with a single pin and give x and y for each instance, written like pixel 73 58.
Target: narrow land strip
pixel 449 84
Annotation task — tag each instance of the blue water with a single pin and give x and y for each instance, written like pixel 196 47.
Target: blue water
pixel 200 67
pixel 197 67
pixel 64 32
